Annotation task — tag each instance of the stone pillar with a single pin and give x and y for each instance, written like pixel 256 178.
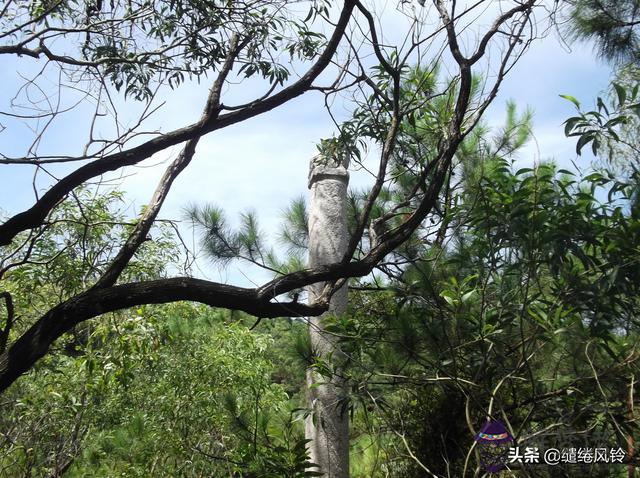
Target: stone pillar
pixel 329 448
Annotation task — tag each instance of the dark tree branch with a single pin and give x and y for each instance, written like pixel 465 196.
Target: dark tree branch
pixel 393 72
pixel 389 143
pixel 4 335
pixel 19 50
pixel 106 297
pixel 35 342
pixel 523 8
pixel 385 156
pixel 452 38
pixel 37 52
pixel 34 216
pixel 140 232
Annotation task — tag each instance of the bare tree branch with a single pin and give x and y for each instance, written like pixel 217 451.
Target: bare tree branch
pixel 38 212
pixel 138 235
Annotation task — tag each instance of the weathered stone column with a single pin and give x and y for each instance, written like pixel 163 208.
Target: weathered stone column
pixel 328 180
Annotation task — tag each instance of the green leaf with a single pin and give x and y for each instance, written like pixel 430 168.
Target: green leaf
pixel 467 296
pixel 448 296
pixel 602 106
pixel 570 124
pixel 572 99
pixel 523 171
pixel 583 141
pixel 621 92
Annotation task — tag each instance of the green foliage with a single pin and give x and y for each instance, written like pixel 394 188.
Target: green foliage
pixel 517 300
pixel 611 24
pixel 222 244
pixel 137 43
pixel 295 232
pixel 605 125
pixel 528 316
pixel 170 391
pixel 73 249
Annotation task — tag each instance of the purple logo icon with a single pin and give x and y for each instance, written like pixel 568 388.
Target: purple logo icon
pixel 494 442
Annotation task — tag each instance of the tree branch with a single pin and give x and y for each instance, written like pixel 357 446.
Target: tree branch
pixel 139 233
pixel 4 334
pixel 33 216
pixel 35 342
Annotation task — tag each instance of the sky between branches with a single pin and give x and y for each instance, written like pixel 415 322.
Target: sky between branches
pixel 262 164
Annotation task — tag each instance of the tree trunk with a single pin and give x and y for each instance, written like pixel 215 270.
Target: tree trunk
pixel 328 428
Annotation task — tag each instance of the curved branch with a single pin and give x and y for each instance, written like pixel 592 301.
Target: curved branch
pixel 139 233
pixel 482 47
pixel 35 342
pixel 33 216
pixel 4 334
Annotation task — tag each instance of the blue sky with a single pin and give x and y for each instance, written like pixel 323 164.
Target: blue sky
pixel 262 164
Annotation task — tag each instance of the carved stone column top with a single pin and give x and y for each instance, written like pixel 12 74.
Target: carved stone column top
pixel 323 167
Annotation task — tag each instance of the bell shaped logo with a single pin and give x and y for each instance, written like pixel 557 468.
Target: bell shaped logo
pixel 494 442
